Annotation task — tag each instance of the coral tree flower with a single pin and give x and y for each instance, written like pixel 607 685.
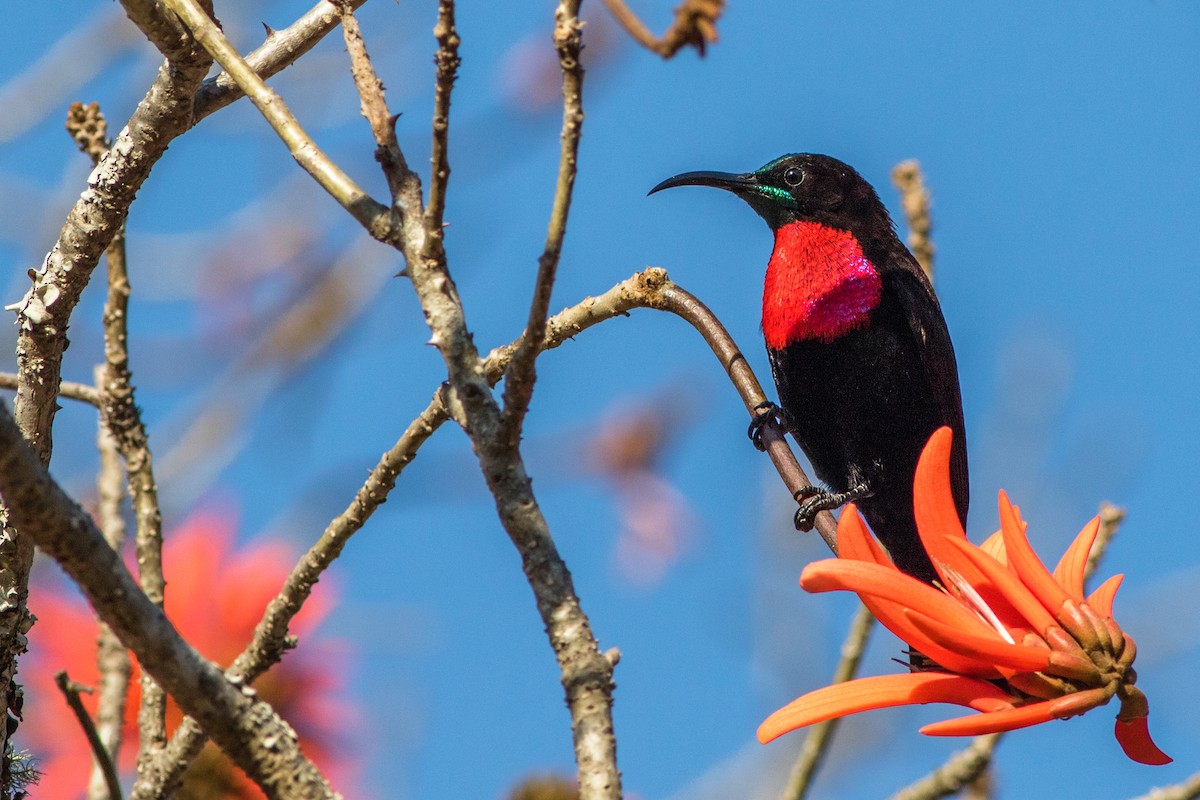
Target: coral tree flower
pixel 1004 635
pixel 216 593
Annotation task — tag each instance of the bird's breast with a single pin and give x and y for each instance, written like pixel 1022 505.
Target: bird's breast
pixel 819 285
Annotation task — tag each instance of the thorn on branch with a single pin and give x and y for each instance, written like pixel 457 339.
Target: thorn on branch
pixel 695 25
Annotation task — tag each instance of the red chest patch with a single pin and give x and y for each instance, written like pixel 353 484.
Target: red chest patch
pixel 819 285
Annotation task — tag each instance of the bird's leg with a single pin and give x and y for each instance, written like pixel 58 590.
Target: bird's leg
pixel 814 500
pixel 768 413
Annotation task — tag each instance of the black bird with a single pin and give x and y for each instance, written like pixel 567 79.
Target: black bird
pixel 858 346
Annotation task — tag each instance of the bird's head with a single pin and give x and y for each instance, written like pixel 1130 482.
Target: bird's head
pixel 801 186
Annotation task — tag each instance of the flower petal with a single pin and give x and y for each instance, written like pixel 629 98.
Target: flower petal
pixel 991 649
pixel 994 722
pixel 1009 586
pixel 1133 730
pixel 855 542
pixel 1070 570
pixel 933 503
pixel 1101 600
pixel 1134 737
pixel 1029 567
pixel 889 583
pixel 883 691
pixel 1070 705
pixel 994 547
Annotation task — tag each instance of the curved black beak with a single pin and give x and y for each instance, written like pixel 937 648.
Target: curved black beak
pixel 728 181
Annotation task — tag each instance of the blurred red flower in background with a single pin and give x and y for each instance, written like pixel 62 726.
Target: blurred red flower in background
pixel 215 596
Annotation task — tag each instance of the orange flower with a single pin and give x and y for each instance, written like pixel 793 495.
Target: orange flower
pixel 216 593
pixel 1006 636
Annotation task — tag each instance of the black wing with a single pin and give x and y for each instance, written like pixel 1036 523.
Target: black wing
pixel 924 315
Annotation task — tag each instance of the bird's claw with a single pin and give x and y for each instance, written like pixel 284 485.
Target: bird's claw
pixel 813 500
pixel 767 413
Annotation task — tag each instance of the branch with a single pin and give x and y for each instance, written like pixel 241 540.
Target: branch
pixel 279 51
pixel 959 770
pixel 112 659
pixel 71 690
pixel 522 372
pixel 1187 790
pixel 373 216
pixel 43 314
pixel 816 743
pixel 246 728
pixel 681 302
pixel 695 24
pixel 375 111
pixel 85 393
pixel 447 61
pixel 271 639
pixel 45 311
pixel 123 420
pixel 914 199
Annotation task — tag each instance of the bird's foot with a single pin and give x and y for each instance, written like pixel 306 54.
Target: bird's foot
pixel 768 413
pixel 813 500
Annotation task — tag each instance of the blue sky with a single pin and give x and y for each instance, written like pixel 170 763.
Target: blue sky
pixel 1060 147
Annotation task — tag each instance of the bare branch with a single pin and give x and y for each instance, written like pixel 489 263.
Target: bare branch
pixel 1187 790
pixel 161 27
pixel 45 311
pixel 373 216
pixel 816 743
pixel 447 62
pixel 85 393
pixel 914 199
pixel 271 639
pixel 695 25
pixel 112 659
pixel 103 760
pixel 959 770
pixel 280 50
pixel 123 419
pixel 375 111
pixel 247 729
pixel 678 301
pixel 522 372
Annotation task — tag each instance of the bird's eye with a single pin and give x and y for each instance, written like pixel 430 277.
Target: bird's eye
pixel 793 176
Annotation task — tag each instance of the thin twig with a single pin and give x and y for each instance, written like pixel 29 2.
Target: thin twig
pixel 83 392
pixel 112 659
pixel 374 107
pixel 281 48
pixel 816 743
pixel 914 199
pixel 447 62
pixel 373 216
pixel 103 760
pixel 965 766
pixel 1111 518
pixel 695 24
pixel 1186 790
pixel 959 770
pixel 522 371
